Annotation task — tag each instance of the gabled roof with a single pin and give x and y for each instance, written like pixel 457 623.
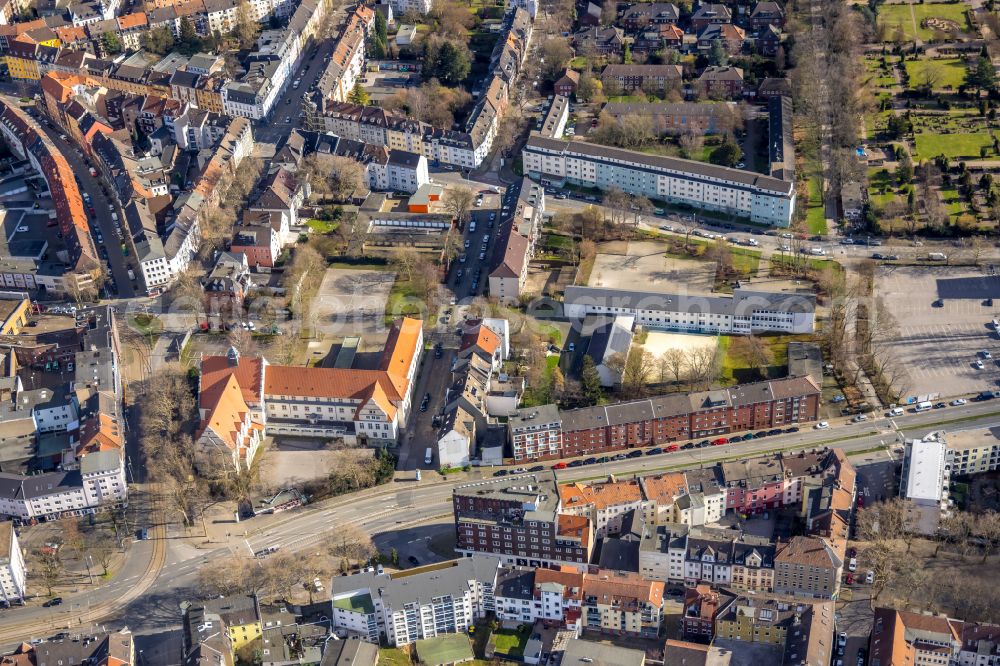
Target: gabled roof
pixel 226 412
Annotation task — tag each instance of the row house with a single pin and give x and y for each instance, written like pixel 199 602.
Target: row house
pixel 605 503
pixel 919 638
pixel 614 602
pixel 716 556
pixel 261 237
pixel 664 419
pixel 12 569
pixel 645 14
pixel 518 234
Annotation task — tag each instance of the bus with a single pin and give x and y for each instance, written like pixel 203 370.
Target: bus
pixel 923 406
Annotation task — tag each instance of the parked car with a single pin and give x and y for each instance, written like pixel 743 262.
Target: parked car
pixel 822 425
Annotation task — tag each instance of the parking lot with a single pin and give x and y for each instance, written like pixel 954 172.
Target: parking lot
pixel 944 322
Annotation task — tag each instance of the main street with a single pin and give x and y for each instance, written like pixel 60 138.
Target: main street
pixel 147 594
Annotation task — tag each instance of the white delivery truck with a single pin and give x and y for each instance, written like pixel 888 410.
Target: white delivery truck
pixel 429 456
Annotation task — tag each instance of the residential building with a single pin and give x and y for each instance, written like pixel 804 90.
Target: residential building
pixel 421 7
pixel 760 198
pixel 606 503
pixel 710 13
pixel 405 171
pixel 104 649
pixel 743 313
pixel 538 434
pixel 239 617
pixel 766 13
pixel 12 570
pixel 702 605
pixel 809 567
pixel 643 15
pixel 409 606
pixel 518 234
pixel 603 41
pixel 721 82
pixel 535 432
pixel 520 519
pixel 603 600
pixel 554 122
pixel 781 144
pixel 730 36
pixel 902 637
pixel 567 84
pixel 973 451
pixel 648 78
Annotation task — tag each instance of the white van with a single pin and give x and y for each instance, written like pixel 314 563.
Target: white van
pixel 429 456
pixel 896 411
pixel 996 325
pixel 923 406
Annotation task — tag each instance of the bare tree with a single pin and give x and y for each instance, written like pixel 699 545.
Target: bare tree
pixel 49 568
pixel 676 362
pixel 458 202
pixel 351 542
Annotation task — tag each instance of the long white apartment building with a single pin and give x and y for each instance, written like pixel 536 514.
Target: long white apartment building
pixel 760 198
pixel 408 606
pixel 743 313
pixel 12 573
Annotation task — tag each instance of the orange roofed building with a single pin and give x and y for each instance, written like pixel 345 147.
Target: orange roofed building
pixel 369 406
pixel 606 601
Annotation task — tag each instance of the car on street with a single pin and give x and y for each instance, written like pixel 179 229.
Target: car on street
pixel 500 472
pixel 720 441
pixel 54 601
pixel 656 450
pixel 958 402
pixel 849 579
pixel 559 465
pixel 822 425
pixel 537 468
pixel 978 365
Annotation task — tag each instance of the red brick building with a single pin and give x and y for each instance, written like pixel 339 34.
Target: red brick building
pixel 519 520
pixel 663 419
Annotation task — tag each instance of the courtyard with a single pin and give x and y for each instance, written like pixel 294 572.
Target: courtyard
pixel 352 302
pixel 646 266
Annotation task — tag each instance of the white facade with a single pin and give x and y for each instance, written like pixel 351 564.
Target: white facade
pixel 745 313
pixel 421 605
pixel 104 484
pixel 454 449
pixel 12 572
pixel 400 7
pixel 925 476
pixel 760 198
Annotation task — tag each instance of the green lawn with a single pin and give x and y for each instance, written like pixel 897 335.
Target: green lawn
pixel 510 642
pixel 578 63
pixel 747 261
pixel 321 226
pixel 393 657
pixel 881 78
pixel 953 203
pixel 930 145
pixel 629 98
pixel 945 73
pixel 903 16
pixel 815 210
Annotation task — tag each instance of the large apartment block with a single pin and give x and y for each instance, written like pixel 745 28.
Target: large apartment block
pixel 760 198
pixel 520 519
pixel 12 570
pixel 744 313
pixel 408 606
pixel 544 433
